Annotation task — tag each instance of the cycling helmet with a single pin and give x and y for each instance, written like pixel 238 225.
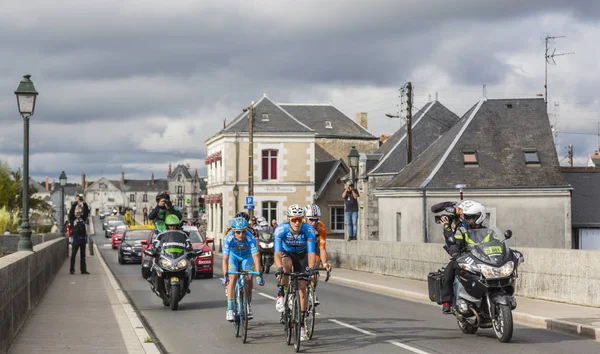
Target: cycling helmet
pixel 473 210
pixel 115 211
pixel 312 210
pixel 243 214
pixel 162 195
pixel 172 219
pixel 239 223
pixel 295 210
pixel 261 221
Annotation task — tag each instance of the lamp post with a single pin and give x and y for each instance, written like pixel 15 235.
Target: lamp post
pixel 236 193
pixel 63 182
pixel 461 187
pixel 353 157
pixel 26 97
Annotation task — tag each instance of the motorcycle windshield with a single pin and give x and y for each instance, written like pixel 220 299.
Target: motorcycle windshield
pixel 265 236
pixel 493 252
pixel 173 243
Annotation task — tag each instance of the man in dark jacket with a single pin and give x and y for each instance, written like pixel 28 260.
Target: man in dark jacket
pixel 163 207
pixel 78 216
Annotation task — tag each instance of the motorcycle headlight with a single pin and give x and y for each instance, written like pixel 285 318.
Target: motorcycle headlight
pixel 165 263
pixel 497 272
pixel 270 245
pixel 182 263
pixel 266 245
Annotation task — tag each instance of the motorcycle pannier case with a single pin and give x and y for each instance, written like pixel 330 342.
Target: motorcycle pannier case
pixel 434 282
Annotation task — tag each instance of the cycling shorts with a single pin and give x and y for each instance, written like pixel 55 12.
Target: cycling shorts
pixel 299 262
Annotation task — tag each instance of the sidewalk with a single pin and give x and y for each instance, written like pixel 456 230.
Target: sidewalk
pixel 555 316
pixel 84 314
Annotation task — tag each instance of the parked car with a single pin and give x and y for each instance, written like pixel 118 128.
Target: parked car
pixel 132 242
pixel 117 235
pixel 205 262
pixel 111 223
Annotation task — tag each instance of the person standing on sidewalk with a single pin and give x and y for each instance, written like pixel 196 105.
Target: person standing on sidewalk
pixel 78 216
pixel 350 196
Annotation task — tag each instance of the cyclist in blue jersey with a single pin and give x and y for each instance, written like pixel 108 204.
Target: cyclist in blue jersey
pixel 239 249
pixel 294 250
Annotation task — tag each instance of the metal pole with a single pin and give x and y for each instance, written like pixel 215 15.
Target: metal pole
pixel 62 211
pixel 251 156
pixel 25 229
pixel 409 123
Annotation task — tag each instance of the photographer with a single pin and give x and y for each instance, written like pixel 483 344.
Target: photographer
pixel 164 207
pixel 350 196
pixel 78 217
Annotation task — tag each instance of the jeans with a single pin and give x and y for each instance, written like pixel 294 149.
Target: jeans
pixel 78 244
pixel 351 223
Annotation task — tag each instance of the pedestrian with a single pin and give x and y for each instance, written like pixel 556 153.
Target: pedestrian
pixel 145 212
pixel 78 216
pixel 253 222
pixel 350 196
pixel 274 223
pixel 54 228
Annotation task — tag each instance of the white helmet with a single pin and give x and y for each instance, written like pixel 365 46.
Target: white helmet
pixel 261 221
pixel 295 210
pixel 312 210
pixel 474 209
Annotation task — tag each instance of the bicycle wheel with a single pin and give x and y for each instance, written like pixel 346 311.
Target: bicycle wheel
pixel 244 315
pixel 297 322
pixel 309 320
pixel 288 320
pixel 236 313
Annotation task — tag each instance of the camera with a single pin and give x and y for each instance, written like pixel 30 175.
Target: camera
pixel 168 204
pixel 449 216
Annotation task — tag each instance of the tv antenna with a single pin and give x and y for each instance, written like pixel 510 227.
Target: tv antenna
pixel 549 56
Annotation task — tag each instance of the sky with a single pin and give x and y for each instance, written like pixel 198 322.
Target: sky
pixel 134 85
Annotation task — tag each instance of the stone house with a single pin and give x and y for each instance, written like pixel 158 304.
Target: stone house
pixel 186 190
pixel 503 151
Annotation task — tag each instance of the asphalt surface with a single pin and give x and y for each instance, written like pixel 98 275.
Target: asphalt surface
pixel 349 320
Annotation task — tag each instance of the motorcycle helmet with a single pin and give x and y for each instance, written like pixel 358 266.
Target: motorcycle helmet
pixel 171 220
pixel 473 210
pixel 261 221
pixel 312 210
pixel 244 215
pixel 295 210
pixel 239 223
pixel 115 211
pixel 162 195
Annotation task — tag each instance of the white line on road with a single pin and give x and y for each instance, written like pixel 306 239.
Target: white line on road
pixel 268 296
pixel 407 347
pixel 351 327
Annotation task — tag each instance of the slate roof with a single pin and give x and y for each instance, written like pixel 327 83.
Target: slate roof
pixel 315 116
pixel 279 120
pixel 585 195
pixel 429 123
pixel 181 169
pixel 142 185
pixel 498 130
pixel 324 172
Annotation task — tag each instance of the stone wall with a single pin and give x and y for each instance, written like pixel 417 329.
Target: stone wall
pixel 8 243
pixel 24 278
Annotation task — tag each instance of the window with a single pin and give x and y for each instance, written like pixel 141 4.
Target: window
pixel 265 117
pixel 179 177
pixel 269 164
pixel 179 190
pixel 132 198
pixel 336 218
pixel 180 202
pixel 531 156
pixel 111 197
pixel 398 227
pixel 145 198
pixel 470 158
pixel 328 124
pixel 269 211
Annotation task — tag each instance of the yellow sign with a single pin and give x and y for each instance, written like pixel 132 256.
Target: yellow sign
pixel 492 250
pixel 174 279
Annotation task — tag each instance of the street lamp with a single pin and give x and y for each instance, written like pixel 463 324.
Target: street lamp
pixel 236 193
pixel 353 157
pixel 26 97
pixel 63 182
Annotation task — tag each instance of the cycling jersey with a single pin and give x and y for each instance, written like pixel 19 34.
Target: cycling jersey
pixel 321 230
pixel 304 241
pixel 239 249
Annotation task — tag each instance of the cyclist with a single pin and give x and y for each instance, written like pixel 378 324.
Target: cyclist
pixel 312 217
pixel 239 248
pixel 294 249
pixel 252 230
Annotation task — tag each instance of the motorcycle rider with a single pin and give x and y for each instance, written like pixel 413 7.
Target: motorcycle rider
pixel 239 249
pixel 469 232
pixel 164 207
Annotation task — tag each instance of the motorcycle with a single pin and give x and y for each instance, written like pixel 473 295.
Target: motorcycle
pixel 172 268
pixel 266 246
pixel 484 295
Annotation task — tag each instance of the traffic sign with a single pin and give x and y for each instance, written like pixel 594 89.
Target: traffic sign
pixel 249 207
pixel 249 200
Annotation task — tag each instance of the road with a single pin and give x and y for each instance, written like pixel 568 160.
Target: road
pixel 349 321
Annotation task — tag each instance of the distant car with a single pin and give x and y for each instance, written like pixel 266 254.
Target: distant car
pixel 205 262
pixel 133 240
pixel 110 226
pixel 117 235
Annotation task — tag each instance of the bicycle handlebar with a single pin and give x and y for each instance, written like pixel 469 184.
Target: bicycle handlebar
pixel 244 272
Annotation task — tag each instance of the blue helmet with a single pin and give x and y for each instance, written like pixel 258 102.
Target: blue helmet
pixel 239 223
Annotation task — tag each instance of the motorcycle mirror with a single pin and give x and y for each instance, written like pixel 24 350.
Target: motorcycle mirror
pixel 451 210
pixel 450 240
pixel 148 253
pixel 507 234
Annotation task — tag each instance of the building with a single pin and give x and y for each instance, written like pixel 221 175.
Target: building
pixel 503 151
pixel 329 187
pixel 186 190
pixel 585 182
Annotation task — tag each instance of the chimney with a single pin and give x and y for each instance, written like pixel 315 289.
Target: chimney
pixel 169 173
pixel 83 180
pixel 152 178
pixel 362 119
pixel 123 177
pixel 46 183
pixel 53 185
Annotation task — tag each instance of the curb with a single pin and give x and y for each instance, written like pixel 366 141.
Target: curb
pixel 134 320
pixel 585 331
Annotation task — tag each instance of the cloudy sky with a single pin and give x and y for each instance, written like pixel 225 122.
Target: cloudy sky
pixel 132 85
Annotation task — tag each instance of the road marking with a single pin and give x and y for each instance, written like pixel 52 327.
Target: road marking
pixel 268 296
pixel 407 347
pixel 106 245
pixel 351 327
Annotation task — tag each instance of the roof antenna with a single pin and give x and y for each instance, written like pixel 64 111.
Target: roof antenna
pixel 484 91
pixel 436 96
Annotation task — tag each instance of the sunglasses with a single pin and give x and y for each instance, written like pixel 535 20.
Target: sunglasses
pixel 296 220
pixel 313 219
pixel 238 232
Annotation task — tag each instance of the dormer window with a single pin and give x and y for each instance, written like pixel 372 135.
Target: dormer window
pixel 179 177
pixel 470 158
pixel 328 124
pixel 531 156
pixel 264 117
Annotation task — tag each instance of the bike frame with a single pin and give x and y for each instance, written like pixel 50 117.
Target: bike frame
pixel 240 298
